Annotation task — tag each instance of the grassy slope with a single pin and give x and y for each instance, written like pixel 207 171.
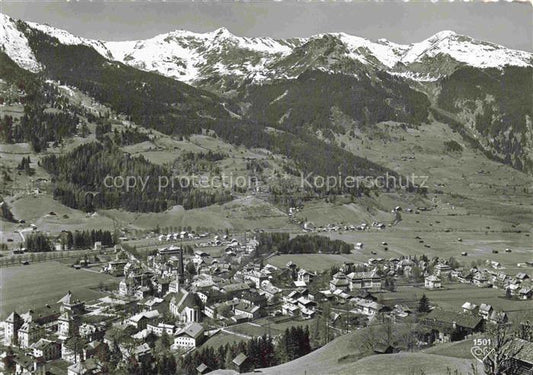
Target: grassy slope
pixel 344 356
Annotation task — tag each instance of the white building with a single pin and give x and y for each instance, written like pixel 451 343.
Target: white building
pixel 189 337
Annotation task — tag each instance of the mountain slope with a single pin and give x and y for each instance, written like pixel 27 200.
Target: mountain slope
pixel 496 109
pixel 295 85
pixel 151 100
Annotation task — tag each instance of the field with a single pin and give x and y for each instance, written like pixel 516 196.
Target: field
pixel 221 339
pixel 459 349
pixel 442 235
pixel 407 364
pixel 237 333
pixel 35 285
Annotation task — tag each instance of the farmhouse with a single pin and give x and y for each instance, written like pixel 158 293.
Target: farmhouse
pixel 452 326
pixel 480 280
pixel 442 269
pixel 369 308
pixel 469 307
pixel 240 362
pixel 432 282
pixel 485 310
pixel 305 276
pixel 525 293
pixel 522 361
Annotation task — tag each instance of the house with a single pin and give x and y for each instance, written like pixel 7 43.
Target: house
pixel 253 298
pixel 27 365
pixel 432 282
pixel 400 312
pixel 289 309
pixel 469 307
pixel 248 311
pixel 142 292
pixel 364 280
pixel 93 348
pixel 47 349
pixel 202 369
pixel 339 281
pixel 240 363
pixel 369 308
pixel 525 293
pixel 305 276
pixel 160 327
pixel 522 361
pixel 142 352
pixel 485 310
pixel 383 349
pixel 442 270
pixel 140 320
pixel 126 287
pixel 451 325
pixel 234 289
pixel 116 267
pixel 480 280
pixel 189 337
pixel 498 317
pixel 152 303
pixel 307 307
pixel 270 291
pixel 256 277
pixel 465 277
pixel 69 303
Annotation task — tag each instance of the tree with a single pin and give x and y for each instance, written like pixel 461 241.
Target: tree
pixel 508 293
pixel 503 348
pixel 76 344
pixel 423 304
pixel 190 268
pixel 163 343
pixel 224 310
pixel 9 362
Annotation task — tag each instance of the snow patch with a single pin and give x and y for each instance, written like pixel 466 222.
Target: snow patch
pixel 15 45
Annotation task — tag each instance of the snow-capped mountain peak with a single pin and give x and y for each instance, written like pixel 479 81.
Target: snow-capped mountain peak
pixel 466 50
pixel 197 57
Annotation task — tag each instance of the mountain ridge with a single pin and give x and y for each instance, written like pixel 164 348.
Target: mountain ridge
pixel 195 57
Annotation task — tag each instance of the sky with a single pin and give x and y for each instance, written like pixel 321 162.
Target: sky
pixel 509 24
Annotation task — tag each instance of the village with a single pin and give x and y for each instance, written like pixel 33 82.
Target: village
pixel 180 299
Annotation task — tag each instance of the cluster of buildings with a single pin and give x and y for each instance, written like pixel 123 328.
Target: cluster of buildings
pixel 189 297
pixel 518 286
pixel 43 335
